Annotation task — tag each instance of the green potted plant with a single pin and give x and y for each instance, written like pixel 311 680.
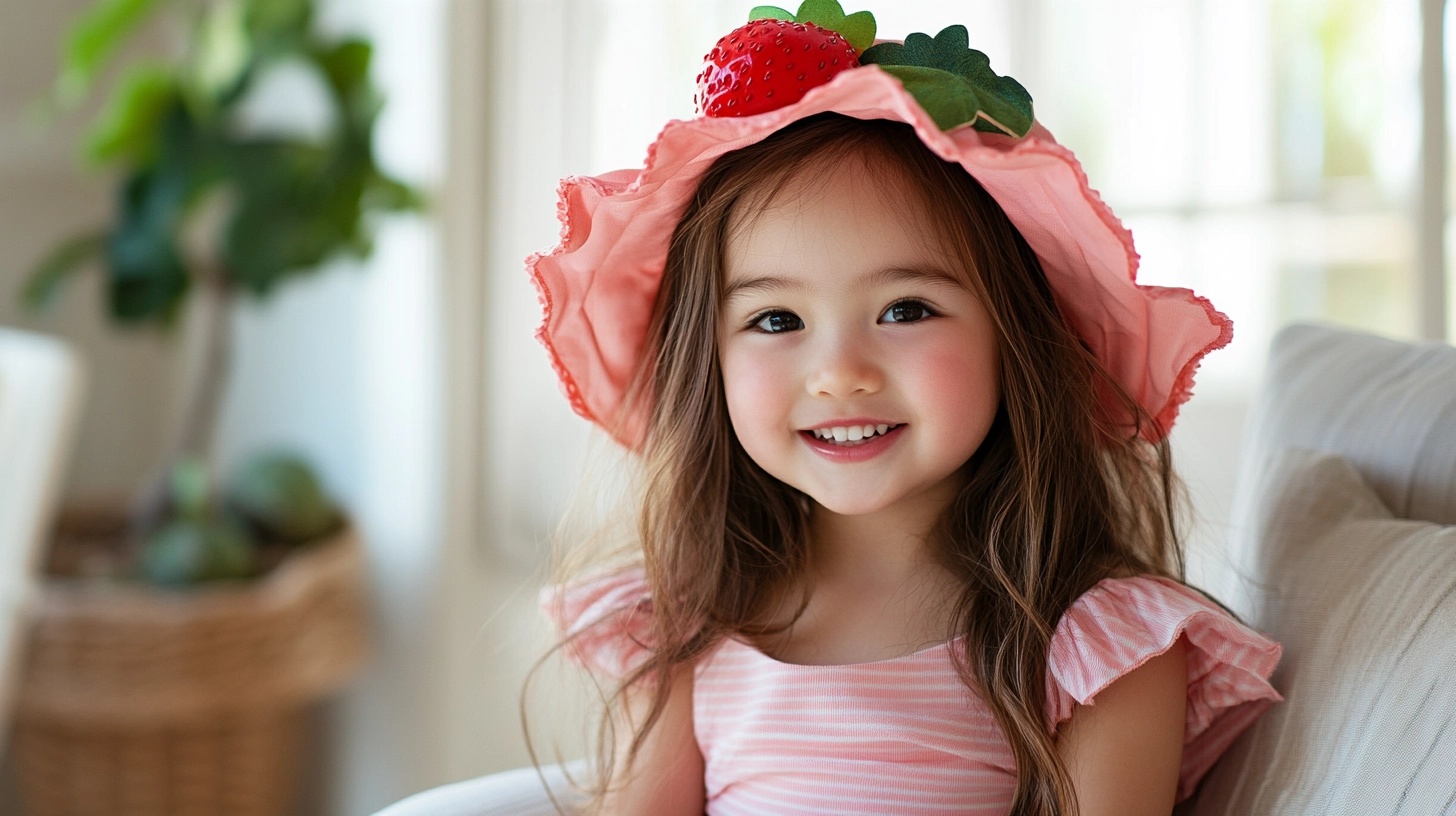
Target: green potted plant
pixel 208 210
pixel 251 584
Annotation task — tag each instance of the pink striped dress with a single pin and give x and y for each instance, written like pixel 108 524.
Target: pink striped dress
pixel 905 735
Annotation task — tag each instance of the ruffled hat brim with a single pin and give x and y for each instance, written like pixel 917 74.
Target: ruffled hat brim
pixel 598 285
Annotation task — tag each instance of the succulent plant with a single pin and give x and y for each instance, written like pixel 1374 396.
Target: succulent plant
pixel 186 552
pixel 200 542
pixel 214 534
pixel 280 496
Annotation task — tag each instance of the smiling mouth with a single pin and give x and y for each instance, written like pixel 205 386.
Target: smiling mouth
pixel 849 436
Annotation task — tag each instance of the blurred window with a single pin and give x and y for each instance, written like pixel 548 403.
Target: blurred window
pixel 1264 152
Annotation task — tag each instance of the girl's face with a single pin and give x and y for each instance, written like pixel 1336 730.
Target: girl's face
pixel 845 316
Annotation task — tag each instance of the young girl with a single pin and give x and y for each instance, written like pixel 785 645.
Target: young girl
pixel 905 542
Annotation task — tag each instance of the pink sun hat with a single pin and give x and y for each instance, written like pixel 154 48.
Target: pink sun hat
pixel 599 284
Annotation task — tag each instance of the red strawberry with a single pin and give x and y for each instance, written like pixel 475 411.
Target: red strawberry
pixel 768 64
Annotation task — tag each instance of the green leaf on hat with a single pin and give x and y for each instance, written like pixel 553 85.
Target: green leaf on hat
pixel 955 83
pixel 770 13
pixel 858 29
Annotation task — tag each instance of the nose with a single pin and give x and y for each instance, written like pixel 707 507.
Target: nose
pixel 845 366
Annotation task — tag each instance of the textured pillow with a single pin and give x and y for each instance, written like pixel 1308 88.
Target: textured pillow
pixel 1386 405
pixel 1365 607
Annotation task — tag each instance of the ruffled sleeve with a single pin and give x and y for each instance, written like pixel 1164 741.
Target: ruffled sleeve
pixel 1121 623
pixel 607 619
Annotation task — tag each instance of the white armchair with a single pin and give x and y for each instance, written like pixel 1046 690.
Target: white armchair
pixel 40 397
pixel 521 792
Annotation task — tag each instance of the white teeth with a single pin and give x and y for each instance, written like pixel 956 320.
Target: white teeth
pixel 851 433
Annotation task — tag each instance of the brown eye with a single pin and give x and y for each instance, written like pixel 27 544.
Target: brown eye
pixel 906 311
pixel 777 322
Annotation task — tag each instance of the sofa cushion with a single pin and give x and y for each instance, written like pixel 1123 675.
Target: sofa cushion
pixel 1386 405
pixel 1364 604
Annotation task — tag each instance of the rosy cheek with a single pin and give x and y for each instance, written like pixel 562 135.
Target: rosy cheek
pixel 933 361
pixel 757 394
pixel 966 386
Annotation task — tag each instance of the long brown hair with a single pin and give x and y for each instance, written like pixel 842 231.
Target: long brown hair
pixel 1055 500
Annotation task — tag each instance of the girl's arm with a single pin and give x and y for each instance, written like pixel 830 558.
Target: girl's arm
pixel 1124 750
pixel 667 778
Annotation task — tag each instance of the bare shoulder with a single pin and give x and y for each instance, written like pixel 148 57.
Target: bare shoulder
pixel 1124 750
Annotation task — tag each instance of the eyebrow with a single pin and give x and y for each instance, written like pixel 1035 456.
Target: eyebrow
pixel 880 277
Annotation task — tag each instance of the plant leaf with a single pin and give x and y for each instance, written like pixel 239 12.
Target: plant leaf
pixel 392 195
pixel 297 205
pixel 148 278
pixel 191 487
pixel 91 41
pixel 127 128
pixel 45 283
pixel 150 293
pixel 270 17
pixel 345 66
pixel 858 28
pixel 769 13
pixel 223 50
pixel 955 83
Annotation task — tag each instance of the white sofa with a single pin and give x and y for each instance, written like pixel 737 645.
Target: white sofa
pixel 1344 549
pixel 1345 541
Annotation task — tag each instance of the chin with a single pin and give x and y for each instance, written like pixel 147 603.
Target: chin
pixel 843 505
pixel 914 499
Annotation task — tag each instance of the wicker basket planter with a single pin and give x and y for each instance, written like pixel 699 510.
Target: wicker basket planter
pixel 140 702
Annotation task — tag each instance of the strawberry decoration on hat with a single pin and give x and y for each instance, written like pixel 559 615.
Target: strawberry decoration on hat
pixel 778 57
